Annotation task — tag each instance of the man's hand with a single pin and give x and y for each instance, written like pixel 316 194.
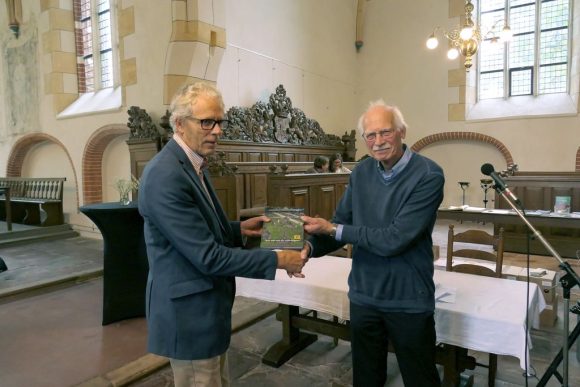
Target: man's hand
pixel 292 262
pixel 316 225
pixel 305 253
pixel 253 227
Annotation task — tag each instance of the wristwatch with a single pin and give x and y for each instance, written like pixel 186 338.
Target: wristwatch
pixel 333 231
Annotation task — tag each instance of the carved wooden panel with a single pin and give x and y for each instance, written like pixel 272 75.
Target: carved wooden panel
pixel 277 124
pixel 140 152
pixel 340 188
pixel 302 157
pixel 229 192
pixel 537 191
pixel 253 156
pixel 534 196
pixel 268 133
pixel 287 157
pixel 235 157
pixel 258 190
pixel 324 200
pixel 300 198
pixel 255 152
pixel 316 193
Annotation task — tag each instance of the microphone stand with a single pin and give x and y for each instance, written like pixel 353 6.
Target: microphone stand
pixel 568 281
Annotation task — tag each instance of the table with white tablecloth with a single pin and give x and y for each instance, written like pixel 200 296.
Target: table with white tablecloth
pixel 472 312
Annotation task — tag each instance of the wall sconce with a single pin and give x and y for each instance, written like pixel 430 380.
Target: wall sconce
pixel 14 16
pixel 466 40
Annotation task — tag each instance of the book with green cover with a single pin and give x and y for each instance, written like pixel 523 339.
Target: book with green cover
pixel 284 230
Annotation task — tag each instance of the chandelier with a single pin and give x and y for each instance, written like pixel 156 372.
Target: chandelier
pixel 466 40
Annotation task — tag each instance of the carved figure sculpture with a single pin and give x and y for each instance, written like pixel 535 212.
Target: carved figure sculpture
pixel 141 125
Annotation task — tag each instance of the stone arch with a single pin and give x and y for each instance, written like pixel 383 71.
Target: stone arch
pixel 197 44
pixel 93 161
pixel 464 136
pixel 21 148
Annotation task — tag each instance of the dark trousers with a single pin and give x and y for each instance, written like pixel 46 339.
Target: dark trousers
pixel 412 336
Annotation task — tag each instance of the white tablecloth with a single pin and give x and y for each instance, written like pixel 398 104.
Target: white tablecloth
pixel 483 314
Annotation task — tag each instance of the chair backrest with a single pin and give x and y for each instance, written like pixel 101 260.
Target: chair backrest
pixel 474 238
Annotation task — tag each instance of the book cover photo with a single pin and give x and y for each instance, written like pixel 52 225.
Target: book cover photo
pixel 284 230
pixel 562 204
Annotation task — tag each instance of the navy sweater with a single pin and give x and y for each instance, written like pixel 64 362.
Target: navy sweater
pixel 390 225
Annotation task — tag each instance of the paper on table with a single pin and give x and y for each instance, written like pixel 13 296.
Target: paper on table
pixel 497 211
pixel 537 212
pixel 443 294
pixel 456 208
pixel 473 209
pixel 538 273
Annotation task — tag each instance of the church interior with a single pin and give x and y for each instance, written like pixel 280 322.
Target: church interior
pixel 85 87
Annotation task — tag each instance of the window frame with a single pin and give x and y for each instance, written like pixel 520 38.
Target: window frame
pixel 535 79
pixel 97 53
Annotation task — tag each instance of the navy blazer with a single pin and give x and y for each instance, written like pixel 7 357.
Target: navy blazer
pixel 191 248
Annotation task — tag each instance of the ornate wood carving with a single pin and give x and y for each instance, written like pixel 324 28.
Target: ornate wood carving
pixel 278 122
pixel 141 124
pixel 267 139
pixel 218 167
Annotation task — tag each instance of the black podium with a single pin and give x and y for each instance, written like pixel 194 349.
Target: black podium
pixel 125 266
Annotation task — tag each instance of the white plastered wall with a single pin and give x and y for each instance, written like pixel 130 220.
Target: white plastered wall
pixel 307 46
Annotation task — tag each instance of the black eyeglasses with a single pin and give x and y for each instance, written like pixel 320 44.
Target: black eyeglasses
pixel 384 133
pixel 210 123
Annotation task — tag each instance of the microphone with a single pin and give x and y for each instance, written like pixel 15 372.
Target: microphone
pixel 488 170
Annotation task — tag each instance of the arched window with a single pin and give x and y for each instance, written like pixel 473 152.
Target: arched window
pixel 95 48
pixel 536 60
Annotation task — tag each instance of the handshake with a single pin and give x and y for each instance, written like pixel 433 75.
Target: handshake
pixel 290 260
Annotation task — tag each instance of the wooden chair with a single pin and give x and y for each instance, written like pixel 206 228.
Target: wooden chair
pixel 473 238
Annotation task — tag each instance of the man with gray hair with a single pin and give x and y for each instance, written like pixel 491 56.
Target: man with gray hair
pixel 192 246
pixel 387 213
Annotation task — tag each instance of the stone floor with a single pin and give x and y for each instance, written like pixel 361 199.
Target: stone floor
pixel 55 338
pixel 324 364
pixel 15 227
pixel 52 336
pixel 48 262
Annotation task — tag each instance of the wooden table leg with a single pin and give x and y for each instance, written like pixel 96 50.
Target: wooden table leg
pixel 293 341
pixel 455 360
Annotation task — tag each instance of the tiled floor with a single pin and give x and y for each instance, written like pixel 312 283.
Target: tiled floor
pixel 324 364
pixel 54 338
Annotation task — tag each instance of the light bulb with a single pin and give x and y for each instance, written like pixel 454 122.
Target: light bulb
pixel 452 53
pixel 466 33
pixel 506 34
pixel 432 42
pixel 494 45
